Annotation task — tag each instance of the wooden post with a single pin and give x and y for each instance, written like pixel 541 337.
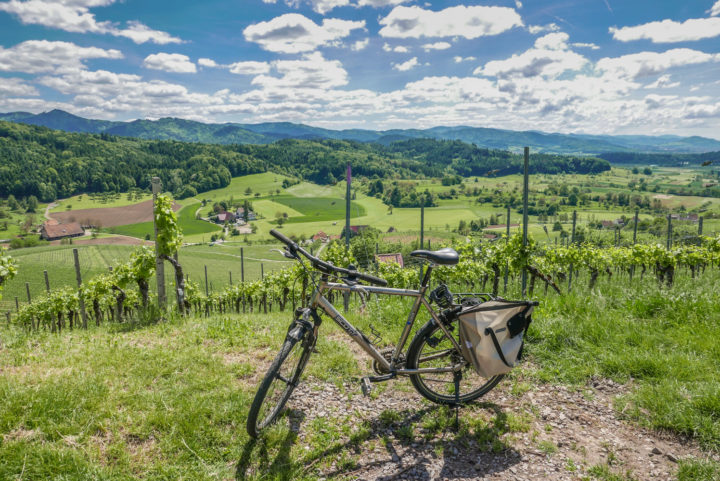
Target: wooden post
pixel 637 211
pixel 570 276
pixel 7 314
pixel 262 271
pixel 526 188
pixel 47 282
pixel 348 179
pixel 230 272
pixel 242 273
pixel 700 226
pixel 207 293
pixel 27 289
pixel 17 304
pixel 159 264
pixel 78 277
pixel 507 239
pixel 669 231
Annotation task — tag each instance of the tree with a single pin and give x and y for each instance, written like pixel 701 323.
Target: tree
pixel 279 218
pixel 32 203
pixel 647 171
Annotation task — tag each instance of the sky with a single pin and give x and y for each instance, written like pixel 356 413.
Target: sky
pixel 570 66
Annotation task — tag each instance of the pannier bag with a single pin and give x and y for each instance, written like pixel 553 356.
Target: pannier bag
pixel 491 334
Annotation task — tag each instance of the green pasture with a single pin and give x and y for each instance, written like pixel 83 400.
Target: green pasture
pixel 266 184
pixel 191 227
pixel 88 201
pixel 318 209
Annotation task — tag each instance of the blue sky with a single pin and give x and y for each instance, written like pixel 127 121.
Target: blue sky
pixel 590 66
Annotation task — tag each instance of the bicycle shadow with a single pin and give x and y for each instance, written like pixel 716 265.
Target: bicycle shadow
pixel 470 450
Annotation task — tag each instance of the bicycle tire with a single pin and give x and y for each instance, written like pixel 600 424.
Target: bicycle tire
pixel 429 334
pixel 296 338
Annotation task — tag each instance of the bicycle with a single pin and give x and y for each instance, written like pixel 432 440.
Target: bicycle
pixel 433 360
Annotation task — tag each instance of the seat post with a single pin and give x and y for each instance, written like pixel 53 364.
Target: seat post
pixel 426 277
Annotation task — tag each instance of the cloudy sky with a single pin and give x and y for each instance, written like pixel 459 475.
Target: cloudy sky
pixel 592 66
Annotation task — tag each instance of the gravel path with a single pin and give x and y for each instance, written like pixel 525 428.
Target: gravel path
pixel 567 433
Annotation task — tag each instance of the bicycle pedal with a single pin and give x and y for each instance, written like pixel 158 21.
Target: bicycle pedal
pixel 366 386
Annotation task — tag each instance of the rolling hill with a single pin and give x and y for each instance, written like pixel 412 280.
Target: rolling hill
pixel 265 133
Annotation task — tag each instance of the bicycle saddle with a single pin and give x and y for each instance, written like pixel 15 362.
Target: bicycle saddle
pixel 443 257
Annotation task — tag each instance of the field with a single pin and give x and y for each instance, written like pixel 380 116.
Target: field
pixel 110 216
pixel 58 261
pixel 609 376
pixel 94 201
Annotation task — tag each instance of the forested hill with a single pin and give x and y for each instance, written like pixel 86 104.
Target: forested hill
pixel 269 132
pixel 51 164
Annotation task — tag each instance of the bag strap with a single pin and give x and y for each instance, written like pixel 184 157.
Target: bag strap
pixel 491 333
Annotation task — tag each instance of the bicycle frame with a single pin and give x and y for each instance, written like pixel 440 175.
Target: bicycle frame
pixel 317 300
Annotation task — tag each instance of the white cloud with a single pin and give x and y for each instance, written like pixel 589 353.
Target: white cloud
pixel 549 57
pixel 324 6
pixel 313 71
pixel 396 49
pixel 360 45
pixel 75 16
pixel 459 21
pixel 663 82
pixel 208 62
pixel 295 33
pixel 249 68
pixel 715 9
pixel 591 46
pixel 39 56
pixel 643 64
pixel 518 4
pixel 459 59
pixel 436 46
pixel 16 87
pixel 669 31
pixel 405 66
pixel 535 29
pixel 380 3
pixel 169 62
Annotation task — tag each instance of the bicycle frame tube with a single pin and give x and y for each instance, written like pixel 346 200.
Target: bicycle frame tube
pixel 318 300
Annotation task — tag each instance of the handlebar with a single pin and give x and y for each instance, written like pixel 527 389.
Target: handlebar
pixel 323 266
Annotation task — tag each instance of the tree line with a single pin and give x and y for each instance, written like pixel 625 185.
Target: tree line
pixel 50 164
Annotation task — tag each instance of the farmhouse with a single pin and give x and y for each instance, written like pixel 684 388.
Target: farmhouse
pixel 320 236
pixel 240 212
pixel 54 231
pixel 223 217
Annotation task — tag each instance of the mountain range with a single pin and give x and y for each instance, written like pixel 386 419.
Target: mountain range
pixel 265 133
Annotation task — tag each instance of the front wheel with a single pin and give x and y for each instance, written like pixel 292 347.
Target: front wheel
pixel 280 380
pixel 432 349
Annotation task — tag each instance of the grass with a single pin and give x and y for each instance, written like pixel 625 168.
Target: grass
pixel 317 209
pixel 186 220
pixel 169 400
pixel 85 201
pixel 58 261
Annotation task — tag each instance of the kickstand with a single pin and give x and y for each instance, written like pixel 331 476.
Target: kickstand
pixel 457 375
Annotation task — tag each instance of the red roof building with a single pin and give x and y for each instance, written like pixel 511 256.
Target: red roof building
pixel 390 259
pixel 51 231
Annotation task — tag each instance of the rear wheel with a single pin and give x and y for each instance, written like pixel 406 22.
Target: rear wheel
pixel 280 381
pixel 432 349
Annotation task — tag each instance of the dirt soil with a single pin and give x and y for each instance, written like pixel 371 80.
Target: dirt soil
pixel 110 216
pixel 570 431
pixel 114 240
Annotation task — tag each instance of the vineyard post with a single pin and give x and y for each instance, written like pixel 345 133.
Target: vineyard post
pixel 7 314
pixel 422 236
pixel 637 211
pixel 526 188
pixel 507 239
pixel 78 277
pixel 17 304
pixel 669 231
pixel 262 271
pixel 206 283
pixel 230 272
pixel 27 289
pixel 47 282
pixel 348 181
pixel 159 264
pixel 572 241
pixel 700 226
pixel 242 274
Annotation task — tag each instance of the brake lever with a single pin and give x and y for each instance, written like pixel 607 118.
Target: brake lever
pixel 284 253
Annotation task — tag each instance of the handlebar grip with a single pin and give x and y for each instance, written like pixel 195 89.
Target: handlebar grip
pixel 372 279
pixel 281 237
